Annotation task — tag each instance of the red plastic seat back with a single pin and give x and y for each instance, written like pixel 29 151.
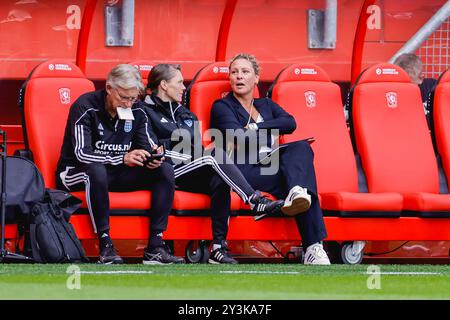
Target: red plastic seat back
pixel 391 132
pixel 441 120
pixel 211 83
pixel 144 68
pixel 307 93
pixel 50 91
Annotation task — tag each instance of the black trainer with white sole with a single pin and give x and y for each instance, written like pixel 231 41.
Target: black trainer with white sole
pixel 108 255
pixel 221 256
pixel 161 255
pixel 262 207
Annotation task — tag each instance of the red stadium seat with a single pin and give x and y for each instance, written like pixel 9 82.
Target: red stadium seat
pixel 307 93
pixel 209 84
pixel 394 142
pixel 50 90
pixel 55 84
pixel 144 68
pixel 184 202
pixel 441 120
pixel 45 124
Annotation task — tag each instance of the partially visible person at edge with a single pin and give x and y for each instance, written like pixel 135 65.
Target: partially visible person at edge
pixel 295 179
pixel 413 66
pixel 211 174
pixel 103 152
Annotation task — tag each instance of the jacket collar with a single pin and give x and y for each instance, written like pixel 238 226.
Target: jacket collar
pixel 148 100
pixel 158 104
pixel 102 100
pixel 153 99
pixel 241 110
pixel 102 105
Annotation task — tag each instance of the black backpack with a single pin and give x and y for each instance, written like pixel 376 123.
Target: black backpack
pixel 53 239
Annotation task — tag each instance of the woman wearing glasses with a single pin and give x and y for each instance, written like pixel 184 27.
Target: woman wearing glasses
pixel 106 142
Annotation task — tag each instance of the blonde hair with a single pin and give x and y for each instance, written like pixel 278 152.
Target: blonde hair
pixel 250 58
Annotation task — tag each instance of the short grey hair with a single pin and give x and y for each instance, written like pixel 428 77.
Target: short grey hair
pixel 125 76
pixel 409 62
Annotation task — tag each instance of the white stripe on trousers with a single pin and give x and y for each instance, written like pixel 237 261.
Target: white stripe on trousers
pixel 209 160
pixel 78 178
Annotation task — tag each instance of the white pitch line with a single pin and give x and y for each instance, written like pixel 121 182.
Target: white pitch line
pixel 407 273
pixel 116 272
pixel 293 272
pixel 261 272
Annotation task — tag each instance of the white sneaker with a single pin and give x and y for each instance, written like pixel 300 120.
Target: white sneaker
pixel 316 255
pixel 297 201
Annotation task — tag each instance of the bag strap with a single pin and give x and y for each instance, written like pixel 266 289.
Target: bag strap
pixel 34 246
pixel 58 217
pixel 76 241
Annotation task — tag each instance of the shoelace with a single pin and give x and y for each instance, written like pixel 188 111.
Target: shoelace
pixel 320 252
pixel 224 251
pixel 110 248
pixel 297 191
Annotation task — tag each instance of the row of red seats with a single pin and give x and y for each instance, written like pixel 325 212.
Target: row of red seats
pixel 394 141
pixel 306 92
pixel 390 135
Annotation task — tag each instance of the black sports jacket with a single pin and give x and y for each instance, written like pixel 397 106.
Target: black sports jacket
pixel 92 136
pixel 168 121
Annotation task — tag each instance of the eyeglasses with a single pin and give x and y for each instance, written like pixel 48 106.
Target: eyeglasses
pixel 126 99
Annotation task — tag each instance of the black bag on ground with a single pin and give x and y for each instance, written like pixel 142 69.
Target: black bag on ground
pixel 24 187
pixel 53 238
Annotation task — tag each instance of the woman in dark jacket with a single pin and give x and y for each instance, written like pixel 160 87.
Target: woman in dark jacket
pixel 195 170
pixel 289 172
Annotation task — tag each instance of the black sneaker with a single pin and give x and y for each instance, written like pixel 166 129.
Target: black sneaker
pixel 160 255
pixel 262 207
pixel 221 255
pixel 108 255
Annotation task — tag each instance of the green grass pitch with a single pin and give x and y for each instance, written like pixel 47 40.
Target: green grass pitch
pixel 224 282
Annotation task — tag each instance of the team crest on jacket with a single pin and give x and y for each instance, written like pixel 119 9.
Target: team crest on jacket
pixel 391 99
pixel 310 98
pixel 64 95
pixel 188 122
pixel 128 126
